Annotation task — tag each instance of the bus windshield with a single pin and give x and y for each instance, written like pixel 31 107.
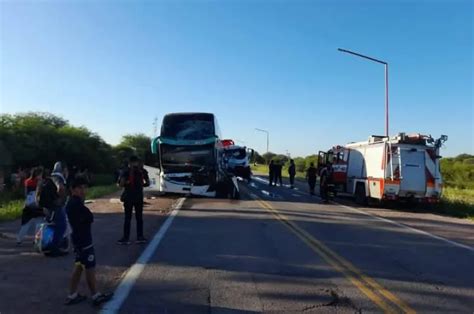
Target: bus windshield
pixel 197 126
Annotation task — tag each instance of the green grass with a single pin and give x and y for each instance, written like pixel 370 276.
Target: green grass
pixel 101 190
pixel 11 210
pixel 457 203
pixel 11 205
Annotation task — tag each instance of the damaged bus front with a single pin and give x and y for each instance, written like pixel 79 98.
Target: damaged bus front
pixel 189 153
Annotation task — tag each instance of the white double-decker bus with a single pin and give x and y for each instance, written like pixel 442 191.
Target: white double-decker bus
pixel 189 152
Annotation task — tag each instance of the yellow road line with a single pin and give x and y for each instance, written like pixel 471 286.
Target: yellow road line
pixel 383 298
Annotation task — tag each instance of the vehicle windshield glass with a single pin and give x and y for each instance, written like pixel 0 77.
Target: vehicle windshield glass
pixel 188 127
pixel 238 153
pixel 187 156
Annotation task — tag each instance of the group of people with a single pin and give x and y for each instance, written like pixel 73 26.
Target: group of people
pixel 275 174
pixel 58 199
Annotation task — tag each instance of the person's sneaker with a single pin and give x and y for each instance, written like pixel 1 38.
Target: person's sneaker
pixel 101 298
pixel 141 240
pixel 123 242
pixel 78 299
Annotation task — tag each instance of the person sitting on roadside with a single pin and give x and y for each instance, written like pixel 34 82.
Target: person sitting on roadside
pixel 32 214
pixel 81 219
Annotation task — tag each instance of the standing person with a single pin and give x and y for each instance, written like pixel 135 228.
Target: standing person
pixel 133 180
pixel 311 177
pixel 271 172
pixel 81 219
pixel 278 170
pixel 292 173
pixel 52 195
pixel 32 214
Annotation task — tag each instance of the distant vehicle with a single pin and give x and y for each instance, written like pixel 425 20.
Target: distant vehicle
pixel 237 160
pixel 401 168
pixel 189 152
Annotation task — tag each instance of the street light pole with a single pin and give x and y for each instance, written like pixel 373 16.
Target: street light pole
pixel 386 81
pixel 268 136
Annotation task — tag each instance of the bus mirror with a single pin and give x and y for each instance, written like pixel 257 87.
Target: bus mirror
pixel 154 146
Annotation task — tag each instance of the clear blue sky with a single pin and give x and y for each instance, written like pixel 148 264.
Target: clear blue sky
pixel 114 66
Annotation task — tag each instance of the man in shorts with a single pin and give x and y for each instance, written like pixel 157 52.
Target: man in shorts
pixel 81 219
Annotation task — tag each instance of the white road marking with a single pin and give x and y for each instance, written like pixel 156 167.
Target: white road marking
pixel 260 180
pixel 126 285
pixel 271 194
pixel 433 236
pixel 414 230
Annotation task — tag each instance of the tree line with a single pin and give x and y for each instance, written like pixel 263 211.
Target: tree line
pixel 41 139
pixel 34 139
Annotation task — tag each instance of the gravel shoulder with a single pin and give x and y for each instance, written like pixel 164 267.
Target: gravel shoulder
pixel 29 281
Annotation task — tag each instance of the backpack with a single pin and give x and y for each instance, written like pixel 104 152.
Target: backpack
pixel 48 194
pixel 44 238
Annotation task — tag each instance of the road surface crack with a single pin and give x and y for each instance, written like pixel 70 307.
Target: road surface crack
pixel 336 301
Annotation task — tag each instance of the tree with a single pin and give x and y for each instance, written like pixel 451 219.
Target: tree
pixel 257 158
pixel 42 139
pixel 139 143
pixel 268 156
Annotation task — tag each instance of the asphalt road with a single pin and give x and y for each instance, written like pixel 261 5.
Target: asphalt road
pixel 280 250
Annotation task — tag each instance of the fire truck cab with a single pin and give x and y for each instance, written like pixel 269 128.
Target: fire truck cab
pixel 403 167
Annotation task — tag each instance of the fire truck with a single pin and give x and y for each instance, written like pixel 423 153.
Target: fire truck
pixel 400 168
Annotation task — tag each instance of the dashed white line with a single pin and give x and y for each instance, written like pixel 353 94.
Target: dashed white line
pixel 126 285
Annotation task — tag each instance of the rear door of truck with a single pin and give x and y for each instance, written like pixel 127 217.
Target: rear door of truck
pixel 413 177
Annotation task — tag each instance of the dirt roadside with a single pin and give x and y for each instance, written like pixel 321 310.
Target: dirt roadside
pixel 30 282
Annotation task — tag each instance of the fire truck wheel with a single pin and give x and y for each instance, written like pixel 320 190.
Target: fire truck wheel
pixel 360 196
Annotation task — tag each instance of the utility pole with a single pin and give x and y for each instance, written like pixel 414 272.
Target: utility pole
pixel 386 81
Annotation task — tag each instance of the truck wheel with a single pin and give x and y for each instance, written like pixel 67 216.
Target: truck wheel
pixel 360 197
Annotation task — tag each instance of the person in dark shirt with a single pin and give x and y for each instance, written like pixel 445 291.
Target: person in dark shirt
pixel 81 219
pixel 132 180
pixel 311 174
pixel 278 176
pixel 292 173
pixel 271 173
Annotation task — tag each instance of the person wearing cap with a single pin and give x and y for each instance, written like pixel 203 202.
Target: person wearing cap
pixel 132 180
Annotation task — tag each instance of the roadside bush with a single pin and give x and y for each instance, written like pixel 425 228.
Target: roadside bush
pixel 102 179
